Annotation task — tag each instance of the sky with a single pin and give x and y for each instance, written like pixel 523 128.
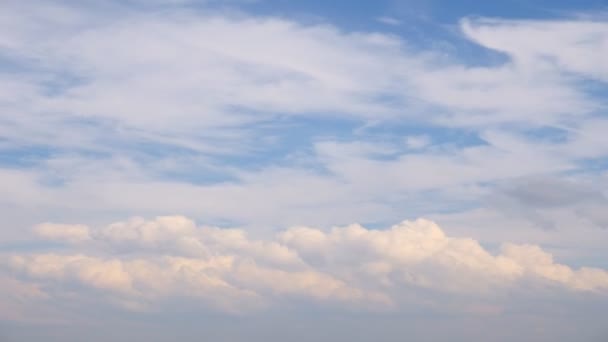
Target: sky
pixel 273 170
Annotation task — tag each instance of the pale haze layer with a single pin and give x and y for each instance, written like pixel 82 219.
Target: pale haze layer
pixel 296 171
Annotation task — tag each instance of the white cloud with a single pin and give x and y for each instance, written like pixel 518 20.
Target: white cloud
pixel 389 21
pixel 202 78
pixel 63 232
pixel 21 301
pixel 199 68
pixel 416 142
pixel 351 267
pixel 184 79
pixel 576 46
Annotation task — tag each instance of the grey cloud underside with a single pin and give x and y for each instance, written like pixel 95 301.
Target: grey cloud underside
pixel 538 199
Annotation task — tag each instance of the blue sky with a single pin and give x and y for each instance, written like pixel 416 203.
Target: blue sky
pixel 272 169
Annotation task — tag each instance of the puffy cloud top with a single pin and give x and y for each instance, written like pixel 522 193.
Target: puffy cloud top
pixel 351 266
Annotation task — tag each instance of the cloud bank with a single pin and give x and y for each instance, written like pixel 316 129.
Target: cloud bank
pixel 140 264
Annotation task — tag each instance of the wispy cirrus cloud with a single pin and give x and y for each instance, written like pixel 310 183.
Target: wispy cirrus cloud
pixel 187 107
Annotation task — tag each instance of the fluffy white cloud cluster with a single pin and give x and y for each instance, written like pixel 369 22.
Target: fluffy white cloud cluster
pixel 352 266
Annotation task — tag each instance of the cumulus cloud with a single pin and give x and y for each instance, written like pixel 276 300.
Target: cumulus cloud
pixel 139 264
pixel 63 232
pixel 18 298
pixel 200 80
